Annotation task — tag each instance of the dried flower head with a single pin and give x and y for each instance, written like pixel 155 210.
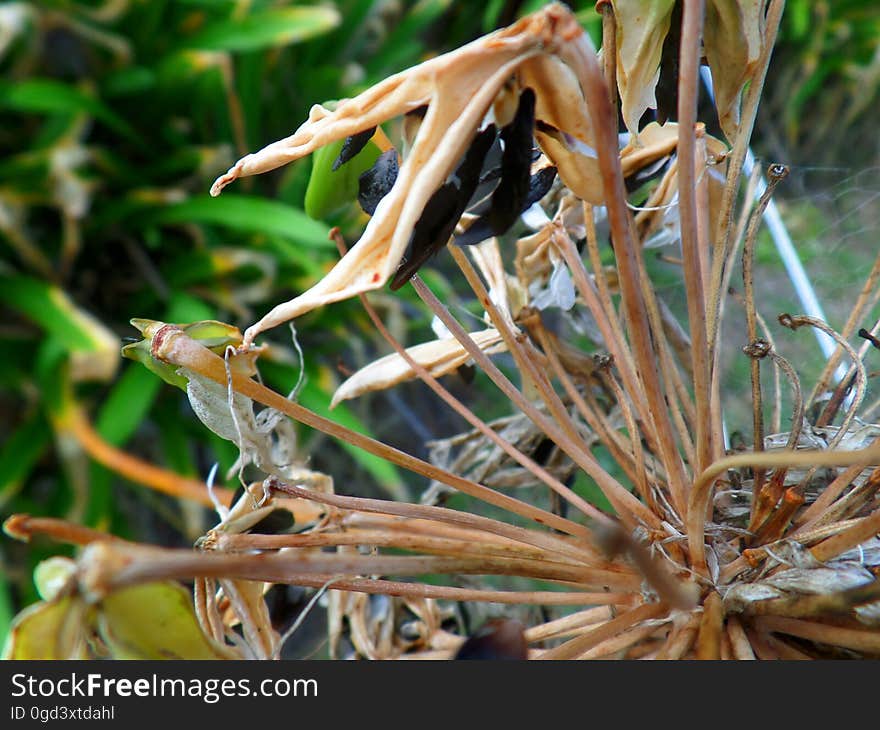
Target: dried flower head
pixel 687 547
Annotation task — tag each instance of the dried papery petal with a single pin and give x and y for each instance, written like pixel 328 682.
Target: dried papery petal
pixel 642 26
pixel 568 142
pixel 732 39
pixel 655 141
pixel 438 356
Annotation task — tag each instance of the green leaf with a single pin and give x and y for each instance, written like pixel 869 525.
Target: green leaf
pixel 19 453
pixel 93 348
pixel 329 191
pixel 269 28
pixel 47 96
pixel 402 44
pixel 247 214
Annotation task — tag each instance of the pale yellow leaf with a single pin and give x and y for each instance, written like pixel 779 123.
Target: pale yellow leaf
pixel 642 26
pixel 732 39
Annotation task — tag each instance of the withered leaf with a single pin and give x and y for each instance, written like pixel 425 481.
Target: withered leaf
pixel 439 357
pixel 732 37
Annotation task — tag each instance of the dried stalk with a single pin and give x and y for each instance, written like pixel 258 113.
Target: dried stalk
pixel 24 527
pixel 701 494
pixel 577 646
pixel 171 345
pixel 107 567
pixel 616 444
pixel 627 506
pixel 580 551
pixel 868 297
pixel 858 639
pixel 776 173
pixel 476 422
pixel 711 628
pixel 861 377
pixel 689 64
pixel 582 60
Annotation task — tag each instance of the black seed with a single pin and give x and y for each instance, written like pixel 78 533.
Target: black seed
pixel 509 197
pixel 352 146
pixel 516 161
pixel 376 183
pixel 481 229
pixel 444 209
pixel 539 185
pixel 430 233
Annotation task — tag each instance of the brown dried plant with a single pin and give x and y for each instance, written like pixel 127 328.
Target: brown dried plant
pixel 763 552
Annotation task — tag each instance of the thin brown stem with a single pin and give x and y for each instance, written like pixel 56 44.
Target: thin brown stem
pixel 681 638
pixel 739 641
pixel 580 551
pixel 24 527
pixel 577 646
pixel 689 65
pixel 701 494
pixel 829 494
pixel 711 628
pixel 590 412
pixel 858 639
pixel 609 49
pixel 108 567
pixel 861 376
pixel 466 413
pixel 849 538
pixel 735 162
pixel 776 173
pixel 867 298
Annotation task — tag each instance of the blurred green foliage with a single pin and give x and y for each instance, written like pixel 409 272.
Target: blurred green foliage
pixel 824 83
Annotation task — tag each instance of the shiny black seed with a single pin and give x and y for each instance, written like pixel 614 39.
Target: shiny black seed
pixel 516 161
pixel 376 183
pixel 352 146
pixel 481 229
pixel 444 209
